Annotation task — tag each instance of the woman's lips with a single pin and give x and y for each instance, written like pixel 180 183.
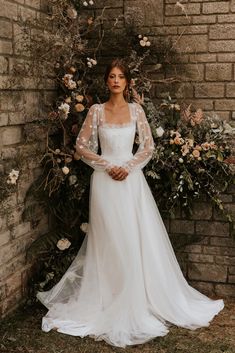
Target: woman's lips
pixel 116 86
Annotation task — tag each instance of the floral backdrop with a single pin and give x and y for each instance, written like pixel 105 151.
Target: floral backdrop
pixel 192 151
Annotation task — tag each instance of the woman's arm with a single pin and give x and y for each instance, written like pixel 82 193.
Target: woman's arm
pixel 146 146
pixel 87 141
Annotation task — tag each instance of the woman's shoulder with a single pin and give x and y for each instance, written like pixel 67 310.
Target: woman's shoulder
pixel 137 107
pixel 96 106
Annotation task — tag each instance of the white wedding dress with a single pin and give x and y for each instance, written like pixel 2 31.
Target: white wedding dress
pixel 125 286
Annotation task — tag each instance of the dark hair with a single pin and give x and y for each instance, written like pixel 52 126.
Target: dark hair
pixel 120 64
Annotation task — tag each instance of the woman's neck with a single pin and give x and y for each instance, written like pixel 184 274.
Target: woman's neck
pixel 117 100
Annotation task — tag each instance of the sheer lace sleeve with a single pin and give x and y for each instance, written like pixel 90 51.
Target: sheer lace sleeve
pixel 146 143
pixel 87 141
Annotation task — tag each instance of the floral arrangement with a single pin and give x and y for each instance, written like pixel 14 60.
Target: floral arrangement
pixel 190 158
pixel 191 149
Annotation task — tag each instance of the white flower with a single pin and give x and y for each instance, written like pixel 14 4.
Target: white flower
pixel 160 131
pixel 65 170
pixel 181 160
pixel 64 109
pixel 14 173
pixel 148 43
pixel 145 39
pixel 93 61
pixel 85 3
pixel 72 179
pixel 13 176
pixel 57 151
pixel 84 227
pixel 72 13
pixel 140 36
pixel 177 107
pixel 91 2
pixel 63 244
pixel 71 84
pixel 67 79
pixel 142 43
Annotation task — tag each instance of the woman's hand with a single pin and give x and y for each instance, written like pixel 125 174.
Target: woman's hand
pixel 118 173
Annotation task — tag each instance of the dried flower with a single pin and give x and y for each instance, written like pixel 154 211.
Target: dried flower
pixel 84 227
pixel 184 150
pixel 68 100
pixel 63 244
pixel 69 82
pixel 72 69
pixel 64 109
pixel 160 131
pixel 79 107
pixel 137 140
pixel 90 21
pixel 65 170
pixel 13 176
pixel 72 179
pixel 79 98
pixel 52 115
pixel 72 13
pixel 178 140
pixel 144 42
pixel 57 151
pixel 91 2
pixel 85 3
pixel 196 153
pixel 68 160
pixel 91 62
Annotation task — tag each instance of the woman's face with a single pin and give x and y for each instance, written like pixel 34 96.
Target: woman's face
pixel 116 81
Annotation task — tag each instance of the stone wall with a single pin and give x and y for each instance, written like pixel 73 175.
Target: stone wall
pixel 204 32
pixel 208 264
pixel 17 107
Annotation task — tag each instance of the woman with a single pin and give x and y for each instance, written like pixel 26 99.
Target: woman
pixel 128 288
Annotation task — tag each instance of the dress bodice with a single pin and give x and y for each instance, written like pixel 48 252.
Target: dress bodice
pixel 116 142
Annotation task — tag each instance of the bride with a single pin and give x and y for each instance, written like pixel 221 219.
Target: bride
pixel 125 286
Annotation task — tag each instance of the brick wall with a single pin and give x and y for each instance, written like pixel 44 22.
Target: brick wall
pixel 208 264
pixel 204 32
pixel 17 107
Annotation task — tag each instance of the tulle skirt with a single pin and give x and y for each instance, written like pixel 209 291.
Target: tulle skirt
pixel 125 286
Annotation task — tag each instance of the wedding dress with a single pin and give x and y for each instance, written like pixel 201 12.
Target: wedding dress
pixel 125 286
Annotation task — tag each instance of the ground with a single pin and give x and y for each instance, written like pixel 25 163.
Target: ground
pixel 21 333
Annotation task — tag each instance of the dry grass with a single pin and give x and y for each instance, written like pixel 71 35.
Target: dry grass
pixel 21 333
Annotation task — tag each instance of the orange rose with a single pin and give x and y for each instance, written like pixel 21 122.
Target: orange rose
pixel 79 107
pixel 196 153
pixel 178 140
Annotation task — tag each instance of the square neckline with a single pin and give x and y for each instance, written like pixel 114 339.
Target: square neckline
pixel 116 125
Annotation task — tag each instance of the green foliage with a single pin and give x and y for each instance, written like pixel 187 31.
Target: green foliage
pixel 190 157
